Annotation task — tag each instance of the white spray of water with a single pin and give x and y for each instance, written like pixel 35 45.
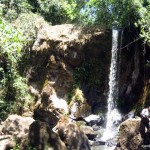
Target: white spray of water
pixel 112 115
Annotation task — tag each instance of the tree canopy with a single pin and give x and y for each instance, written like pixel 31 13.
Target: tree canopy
pixel 107 13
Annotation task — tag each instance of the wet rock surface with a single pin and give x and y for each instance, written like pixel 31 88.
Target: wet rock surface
pixel 89 132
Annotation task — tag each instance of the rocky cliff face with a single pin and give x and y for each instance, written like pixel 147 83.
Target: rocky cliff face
pixel 133 71
pixel 63 57
pixel 66 57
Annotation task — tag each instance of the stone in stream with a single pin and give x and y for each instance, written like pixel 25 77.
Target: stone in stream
pixel 96 127
pixel 129 137
pixel 96 143
pixel 111 142
pixel 89 132
pixel 145 147
pixel 131 114
pixel 94 120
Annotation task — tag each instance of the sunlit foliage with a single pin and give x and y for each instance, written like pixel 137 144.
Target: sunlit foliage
pixel 13 88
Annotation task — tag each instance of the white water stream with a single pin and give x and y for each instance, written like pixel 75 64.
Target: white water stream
pixel 113 115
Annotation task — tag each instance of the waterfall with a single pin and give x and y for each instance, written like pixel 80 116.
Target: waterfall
pixel 113 114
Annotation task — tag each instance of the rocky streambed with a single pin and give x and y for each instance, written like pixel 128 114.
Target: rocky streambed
pixel 25 132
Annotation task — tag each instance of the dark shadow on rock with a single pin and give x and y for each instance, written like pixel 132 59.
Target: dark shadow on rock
pixel 42 137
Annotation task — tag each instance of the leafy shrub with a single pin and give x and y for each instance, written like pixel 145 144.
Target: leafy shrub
pixel 89 73
pixel 29 23
pixel 52 10
pixel 144 22
pixel 78 95
pixel 13 8
pixel 13 88
pixel 17 148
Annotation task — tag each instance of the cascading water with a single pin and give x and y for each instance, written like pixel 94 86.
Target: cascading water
pixel 113 114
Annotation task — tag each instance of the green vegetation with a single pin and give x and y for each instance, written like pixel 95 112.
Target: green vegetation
pixel 78 95
pixel 13 8
pixel 13 88
pixel 144 21
pixel 107 13
pixel 53 11
pixel 91 72
pixel 28 23
pixel 18 148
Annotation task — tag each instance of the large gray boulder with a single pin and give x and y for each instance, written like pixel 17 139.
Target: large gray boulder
pixel 42 137
pixel 13 130
pixel 17 126
pixel 65 136
pixel 89 132
pixel 6 142
pixel 129 135
pixel 71 135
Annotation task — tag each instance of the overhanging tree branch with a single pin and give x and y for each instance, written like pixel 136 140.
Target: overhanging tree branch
pixel 131 42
